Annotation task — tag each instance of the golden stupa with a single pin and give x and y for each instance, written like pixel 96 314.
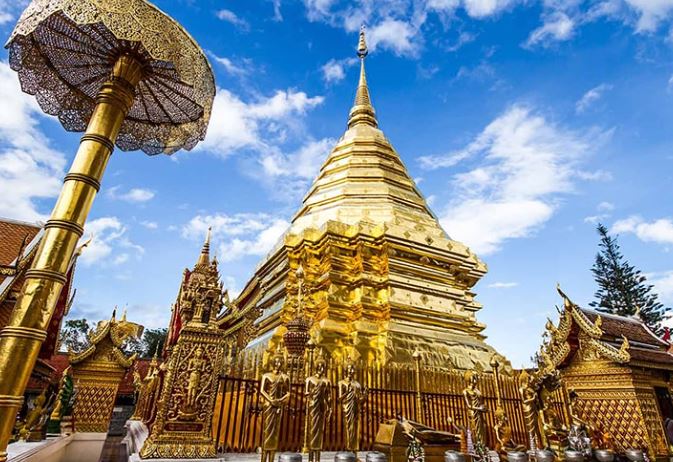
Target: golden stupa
pixel 380 278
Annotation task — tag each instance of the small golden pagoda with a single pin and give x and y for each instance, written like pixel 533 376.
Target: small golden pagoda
pixel 381 278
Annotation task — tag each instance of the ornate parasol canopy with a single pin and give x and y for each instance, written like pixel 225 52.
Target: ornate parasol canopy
pixel 64 50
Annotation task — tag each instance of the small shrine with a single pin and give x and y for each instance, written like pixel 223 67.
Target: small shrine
pixel 618 373
pixel 98 370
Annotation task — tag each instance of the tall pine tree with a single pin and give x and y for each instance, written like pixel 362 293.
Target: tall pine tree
pixel 622 289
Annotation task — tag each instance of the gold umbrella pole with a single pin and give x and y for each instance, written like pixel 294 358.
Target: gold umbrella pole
pixel 20 341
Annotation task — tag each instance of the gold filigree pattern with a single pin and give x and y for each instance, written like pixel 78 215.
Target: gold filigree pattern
pixel 63 51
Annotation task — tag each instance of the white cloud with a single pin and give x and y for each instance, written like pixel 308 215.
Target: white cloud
pixel 659 231
pixel 30 170
pixel 335 69
pixel 605 209
pixel 150 224
pixel 485 8
pixel 256 125
pixel 231 17
pixel 109 245
pixel 557 26
pixel 663 286
pixel 503 285
pixel 400 25
pixel 289 175
pixel 395 35
pixel 239 235
pixel 133 195
pixel 595 175
pixel 606 206
pixel 238 70
pixel 651 13
pixel 591 96
pixel 522 164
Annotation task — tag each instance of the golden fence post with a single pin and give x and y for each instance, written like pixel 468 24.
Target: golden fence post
pixel 496 373
pixel 419 399
pixel 310 346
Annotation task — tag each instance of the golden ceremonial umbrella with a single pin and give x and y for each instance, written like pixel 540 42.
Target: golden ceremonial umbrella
pixel 127 74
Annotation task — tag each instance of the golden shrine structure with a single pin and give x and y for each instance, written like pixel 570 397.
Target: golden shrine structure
pixel 620 372
pixel 98 370
pixel 382 279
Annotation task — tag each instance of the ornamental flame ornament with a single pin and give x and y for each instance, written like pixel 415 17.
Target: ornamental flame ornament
pixel 127 74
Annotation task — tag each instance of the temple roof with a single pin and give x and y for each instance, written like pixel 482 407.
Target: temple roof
pixel 12 235
pixel 116 333
pixel 624 340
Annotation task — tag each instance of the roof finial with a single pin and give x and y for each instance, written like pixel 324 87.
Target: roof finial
pixel 362 110
pixel 204 258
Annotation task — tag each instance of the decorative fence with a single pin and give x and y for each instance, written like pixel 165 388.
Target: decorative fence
pixel 391 392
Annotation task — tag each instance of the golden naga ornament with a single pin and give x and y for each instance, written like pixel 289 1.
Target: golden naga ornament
pixel 125 73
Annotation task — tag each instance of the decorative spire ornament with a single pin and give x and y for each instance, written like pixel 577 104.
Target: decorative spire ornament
pixel 362 111
pixel 204 256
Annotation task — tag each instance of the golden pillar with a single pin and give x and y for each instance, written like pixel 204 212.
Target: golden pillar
pixel 97 66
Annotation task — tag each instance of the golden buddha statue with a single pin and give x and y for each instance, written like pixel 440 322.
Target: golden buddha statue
pixel 503 434
pixel 529 401
pixel 319 395
pixel 275 390
pixel 475 405
pixel 351 397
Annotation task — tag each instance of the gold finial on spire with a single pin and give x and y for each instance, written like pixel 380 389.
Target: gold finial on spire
pixel 362 111
pixel 362 44
pixel 204 258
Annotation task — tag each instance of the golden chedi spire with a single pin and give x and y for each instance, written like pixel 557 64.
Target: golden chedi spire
pixel 204 256
pixel 362 111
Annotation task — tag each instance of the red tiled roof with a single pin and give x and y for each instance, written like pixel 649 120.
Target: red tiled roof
pixel 11 236
pixel 615 326
pixel 651 356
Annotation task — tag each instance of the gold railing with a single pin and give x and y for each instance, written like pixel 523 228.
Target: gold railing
pixel 391 393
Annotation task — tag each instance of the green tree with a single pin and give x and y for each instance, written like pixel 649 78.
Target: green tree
pixel 622 289
pixel 74 335
pixel 153 340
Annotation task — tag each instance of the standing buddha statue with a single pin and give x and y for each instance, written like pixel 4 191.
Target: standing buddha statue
pixel 275 391
pixel 351 397
pixel 319 394
pixel 475 405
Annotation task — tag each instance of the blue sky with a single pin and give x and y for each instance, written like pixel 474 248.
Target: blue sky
pixel 523 122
